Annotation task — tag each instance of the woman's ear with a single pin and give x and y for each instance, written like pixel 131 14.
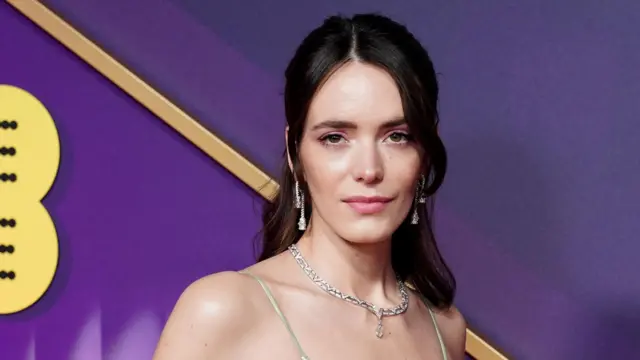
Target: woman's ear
pixel 286 145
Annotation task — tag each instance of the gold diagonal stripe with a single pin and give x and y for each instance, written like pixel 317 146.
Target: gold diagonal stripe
pixel 146 95
pixel 179 120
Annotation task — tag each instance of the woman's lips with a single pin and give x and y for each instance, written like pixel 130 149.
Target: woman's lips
pixel 367 205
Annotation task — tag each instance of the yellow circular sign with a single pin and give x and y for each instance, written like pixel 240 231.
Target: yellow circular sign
pixel 29 161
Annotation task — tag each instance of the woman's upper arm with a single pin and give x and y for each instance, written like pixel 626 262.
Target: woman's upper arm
pixel 454 332
pixel 207 320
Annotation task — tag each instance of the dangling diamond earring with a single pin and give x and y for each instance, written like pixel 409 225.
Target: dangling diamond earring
pixel 419 199
pixel 296 195
pixel 299 204
pixel 422 199
pixel 414 217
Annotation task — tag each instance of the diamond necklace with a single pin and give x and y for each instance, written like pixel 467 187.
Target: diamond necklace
pixel 378 312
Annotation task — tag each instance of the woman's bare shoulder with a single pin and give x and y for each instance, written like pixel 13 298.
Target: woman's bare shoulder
pixel 453 327
pixel 211 316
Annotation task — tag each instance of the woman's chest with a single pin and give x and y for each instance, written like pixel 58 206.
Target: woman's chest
pixel 328 336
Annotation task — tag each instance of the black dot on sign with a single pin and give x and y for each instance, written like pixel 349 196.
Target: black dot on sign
pixel 5 124
pixel 11 275
pixel 11 151
pixel 7 222
pixel 8 177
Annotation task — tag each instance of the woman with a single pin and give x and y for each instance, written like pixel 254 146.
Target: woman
pixel 349 268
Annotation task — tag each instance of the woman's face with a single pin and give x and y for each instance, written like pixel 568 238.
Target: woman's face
pixel 360 162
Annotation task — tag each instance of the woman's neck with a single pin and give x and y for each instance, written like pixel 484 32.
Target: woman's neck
pixel 361 270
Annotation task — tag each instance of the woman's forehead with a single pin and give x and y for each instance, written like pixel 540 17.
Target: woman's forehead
pixel 357 93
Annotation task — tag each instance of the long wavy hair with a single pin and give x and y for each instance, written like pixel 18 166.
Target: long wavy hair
pixel 380 41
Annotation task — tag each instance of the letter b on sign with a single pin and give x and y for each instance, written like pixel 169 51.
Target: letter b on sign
pixel 29 160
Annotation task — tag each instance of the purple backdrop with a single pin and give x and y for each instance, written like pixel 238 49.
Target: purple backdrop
pixel 537 215
pixel 139 210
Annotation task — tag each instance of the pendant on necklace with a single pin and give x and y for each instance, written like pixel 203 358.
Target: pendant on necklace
pixel 379 328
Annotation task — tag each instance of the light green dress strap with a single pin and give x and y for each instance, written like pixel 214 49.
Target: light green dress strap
pixel 443 348
pixel 272 299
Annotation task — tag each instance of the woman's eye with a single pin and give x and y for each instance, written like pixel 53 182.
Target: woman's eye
pixel 398 137
pixel 333 138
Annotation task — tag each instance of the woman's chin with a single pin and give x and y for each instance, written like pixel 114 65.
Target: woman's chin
pixel 371 234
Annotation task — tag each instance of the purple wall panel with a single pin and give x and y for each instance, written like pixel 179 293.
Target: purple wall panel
pixel 190 65
pixel 139 210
